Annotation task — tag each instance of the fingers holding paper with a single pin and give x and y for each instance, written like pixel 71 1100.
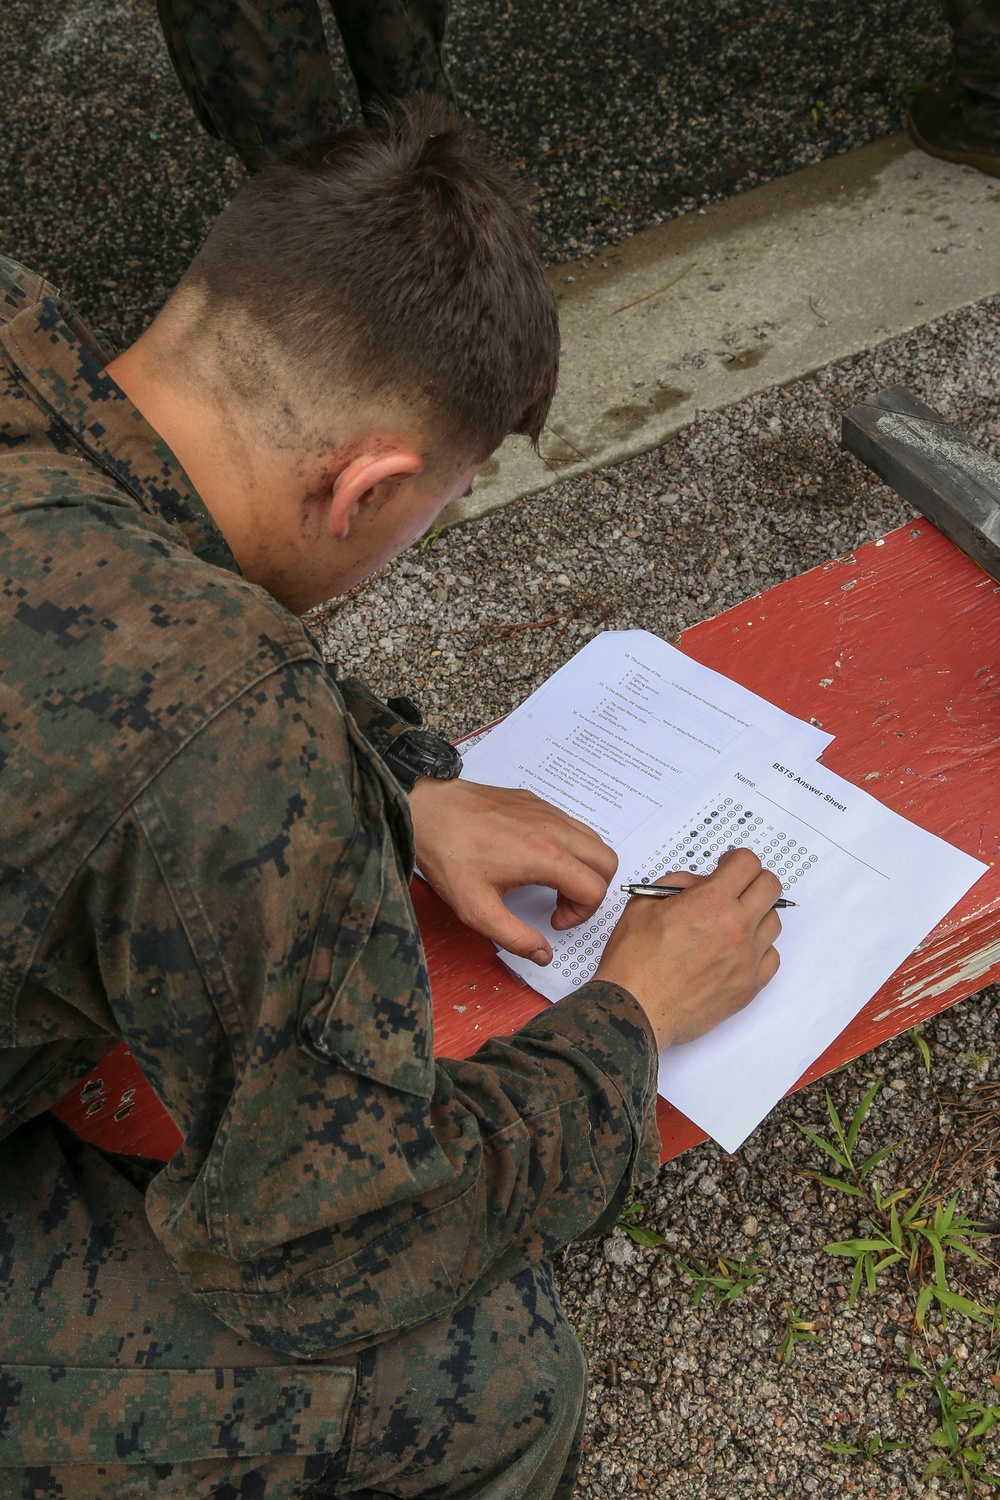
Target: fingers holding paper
pixel 699 957
pixel 475 843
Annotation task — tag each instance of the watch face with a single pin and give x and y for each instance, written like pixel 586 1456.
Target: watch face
pixel 417 753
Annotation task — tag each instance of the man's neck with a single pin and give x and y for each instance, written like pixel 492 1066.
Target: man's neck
pixel 224 472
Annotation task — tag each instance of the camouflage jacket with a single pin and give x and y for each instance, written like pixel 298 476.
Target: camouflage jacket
pixel 202 852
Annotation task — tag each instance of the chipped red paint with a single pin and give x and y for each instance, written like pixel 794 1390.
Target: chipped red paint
pixel 114 1107
pixel 896 650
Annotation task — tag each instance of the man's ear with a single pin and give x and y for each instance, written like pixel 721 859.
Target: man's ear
pixel 356 484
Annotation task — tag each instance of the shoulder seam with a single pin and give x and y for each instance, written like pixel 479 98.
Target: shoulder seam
pixel 30 283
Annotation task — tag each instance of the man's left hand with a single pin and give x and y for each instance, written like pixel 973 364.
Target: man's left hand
pixel 475 843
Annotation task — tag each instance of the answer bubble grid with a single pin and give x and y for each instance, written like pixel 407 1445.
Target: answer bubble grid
pixel 721 825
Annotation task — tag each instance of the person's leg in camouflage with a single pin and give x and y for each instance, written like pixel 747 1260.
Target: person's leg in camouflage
pixel 258 75
pixel 488 1404
pixel 961 123
pixel 394 48
pixel 115 1383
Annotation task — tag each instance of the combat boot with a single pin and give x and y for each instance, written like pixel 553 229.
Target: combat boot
pixel 937 125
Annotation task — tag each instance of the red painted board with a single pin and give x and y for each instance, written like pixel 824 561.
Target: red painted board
pixel 896 650
pixel 115 1108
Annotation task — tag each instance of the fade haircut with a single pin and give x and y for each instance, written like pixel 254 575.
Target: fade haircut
pixel 400 263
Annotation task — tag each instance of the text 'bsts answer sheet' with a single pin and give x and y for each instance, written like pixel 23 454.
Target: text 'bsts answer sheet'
pixel 673 765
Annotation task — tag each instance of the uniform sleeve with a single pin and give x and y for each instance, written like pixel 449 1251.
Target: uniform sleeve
pixel 261 956
pixel 379 723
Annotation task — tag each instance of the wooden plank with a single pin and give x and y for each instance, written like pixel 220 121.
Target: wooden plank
pixel 933 466
pixel 896 650
pixel 114 1107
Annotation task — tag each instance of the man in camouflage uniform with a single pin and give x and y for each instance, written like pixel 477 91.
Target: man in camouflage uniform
pixel 339 1286
pixel 961 123
pixel 258 76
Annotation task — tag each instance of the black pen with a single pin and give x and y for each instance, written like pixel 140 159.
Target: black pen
pixel 675 890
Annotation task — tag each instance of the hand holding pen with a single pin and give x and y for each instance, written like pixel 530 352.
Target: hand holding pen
pixel 692 963
pixel 645 889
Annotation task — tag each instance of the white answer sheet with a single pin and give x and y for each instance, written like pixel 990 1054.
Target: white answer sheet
pixel 869 886
pixel 625 725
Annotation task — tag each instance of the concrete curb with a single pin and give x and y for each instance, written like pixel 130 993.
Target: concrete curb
pixel 754 292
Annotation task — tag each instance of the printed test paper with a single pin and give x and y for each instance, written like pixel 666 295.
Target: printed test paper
pixel 622 728
pixel 869 886
pixel 674 765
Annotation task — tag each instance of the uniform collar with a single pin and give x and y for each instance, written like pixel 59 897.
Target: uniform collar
pixel 61 365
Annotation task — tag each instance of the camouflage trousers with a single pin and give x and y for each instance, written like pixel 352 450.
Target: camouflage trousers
pixel 258 75
pixel 976 28
pixel 115 1384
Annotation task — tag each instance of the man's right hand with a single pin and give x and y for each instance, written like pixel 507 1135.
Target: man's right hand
pixel 694 959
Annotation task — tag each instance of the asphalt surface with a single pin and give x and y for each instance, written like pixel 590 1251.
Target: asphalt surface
pixel 622 114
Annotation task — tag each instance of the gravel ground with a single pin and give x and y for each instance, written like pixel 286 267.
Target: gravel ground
pixel 628 114
pixel 691 1403
pixel 624 115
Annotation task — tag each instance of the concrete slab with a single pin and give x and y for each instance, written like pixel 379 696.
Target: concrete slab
pixel 750 293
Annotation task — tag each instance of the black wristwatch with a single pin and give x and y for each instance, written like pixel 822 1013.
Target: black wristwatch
pixel 416 753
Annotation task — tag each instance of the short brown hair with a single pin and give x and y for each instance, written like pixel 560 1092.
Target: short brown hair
pixel 399 262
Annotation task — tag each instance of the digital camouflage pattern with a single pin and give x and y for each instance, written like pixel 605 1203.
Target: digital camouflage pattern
pixel 258 75
pixel 143 1392
pixel 204 854
pixel 976 28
